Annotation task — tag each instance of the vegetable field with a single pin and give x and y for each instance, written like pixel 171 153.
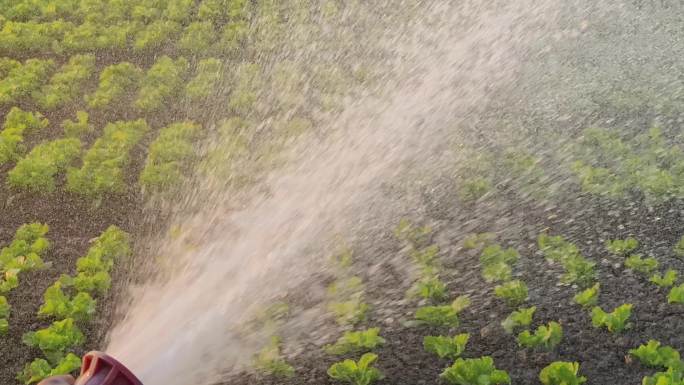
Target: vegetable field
pixel 555 257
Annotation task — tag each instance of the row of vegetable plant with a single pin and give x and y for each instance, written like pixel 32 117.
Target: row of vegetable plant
pixel 23 254
pixel 71 303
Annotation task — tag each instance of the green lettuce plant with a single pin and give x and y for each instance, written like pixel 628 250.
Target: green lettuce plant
pixel 39 369
pixel 514 293
pixel 561 373
pixel 477 241
pixel 547 337
pixel 37 171
pixel 65 86
pixel 356 373
pixel 641 265
pixel 622 246
pixel 169 156
pixel 655 355
pixel 270 361
pixel 24 253
pixel 22 80
pixel 162 82
pixel 588 297
pixel 668 279
pixel 579 271
pixel 59 305
pixel 669 377
pixel 17 123
pixel 206 80
pixel 676 294
pixel 679 247
pixel 430 287
pixel 616 321
pixel 4 315
pixel 518 318
pixel 356 341
pixel 445 315
pixel 446 347
pixel 54 340
pixel 475 371
pixel 79 127
pixel 116 82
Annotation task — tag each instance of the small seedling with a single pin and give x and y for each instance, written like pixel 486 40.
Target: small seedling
pixel 561 373
pixel 475 371
pixel 588 297
pixel 446 347
pixel 547 337
pixel 579 271
pixel 616 321
pixel 666 280
pixel 642 265
pixel 417 237
pixel 446 315
pixel 654 355
pixel 513 293
pixel 270 361
pixel 429 287
pixel 354 342
pixel 356 373
pixel 676 294
pixel 477 241
pixel 519 318
pixel 679 247
pixel 622 246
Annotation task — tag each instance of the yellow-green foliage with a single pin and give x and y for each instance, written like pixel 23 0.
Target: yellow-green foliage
pixel 36 172
pixel 65 86
pixel 23 254
pixel 103 164
pixel 76 129
pixel 21 81
pixel 206 80
pixel 116 82
pixel 197 37
pixel 17 123
pixel 169 156
pixel 155 34
pixel 93 269
pixel 246 85
pixel 161 83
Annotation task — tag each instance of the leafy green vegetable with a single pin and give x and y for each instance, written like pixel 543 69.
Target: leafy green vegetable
pixel 496 254
pixel 116 82
pixel 679 247
pixel 655 355
pixel 676 294
pixel 547 337
pixel 161 83
pixel 474 188
pixel 430 287
pixel 4 315
pixel 24 253
pixel 588 297
pixel 437 316
pixel 425 256
pixel 347 303
pixel 22 80
pixel 666 280
pixel 622 246
pixel 206 81
pixel 669 377
pixel 475 371
pixel 579 271
pixel 58 305
pixel 497 272
pixel 358 341
pixel 477 241
pixel 556 248
pixel 519 318
pixel 17 123
pixel 270 361
pixel 616 321
pixel 35 371
pixel 169 155
pixel 561 373
pixel 446 347
pixel 36 172
pixel 65 85
pixel 76 129
pixel 55 339
pixel 513 293
pixel 103 163
pixel 356 373
pixel 641 265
